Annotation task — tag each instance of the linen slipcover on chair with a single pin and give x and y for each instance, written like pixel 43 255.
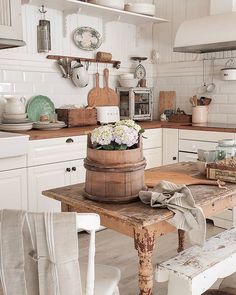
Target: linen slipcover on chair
pixel 39 256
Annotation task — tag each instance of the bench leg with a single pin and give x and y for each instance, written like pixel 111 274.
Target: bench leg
pixel 177 286
pixel 181 236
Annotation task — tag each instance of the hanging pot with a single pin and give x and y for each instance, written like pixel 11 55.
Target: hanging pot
pixel 229 72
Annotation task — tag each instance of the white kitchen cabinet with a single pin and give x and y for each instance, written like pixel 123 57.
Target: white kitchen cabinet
pixel 50 176
pixel 170 141
pixel 153 157
pixel 13 189
pixel 10 20
pixel 152 147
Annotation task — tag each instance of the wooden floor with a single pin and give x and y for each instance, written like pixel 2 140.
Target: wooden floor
pixel 118 250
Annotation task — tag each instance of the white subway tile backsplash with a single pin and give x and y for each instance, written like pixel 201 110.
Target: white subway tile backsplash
pixel 6 88
pixel 12 76
pixel 33 77
pixel 23 87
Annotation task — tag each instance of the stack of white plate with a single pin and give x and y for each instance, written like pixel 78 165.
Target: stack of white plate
pixel 48 125
pixel 141 8
pixel 15 122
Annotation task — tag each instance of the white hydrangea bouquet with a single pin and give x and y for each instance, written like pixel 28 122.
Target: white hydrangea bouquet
pixel 122 135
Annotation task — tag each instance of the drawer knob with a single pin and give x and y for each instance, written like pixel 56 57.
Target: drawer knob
pixel 174 158
pixel 68 170
pixel 73 168
pixel 69 140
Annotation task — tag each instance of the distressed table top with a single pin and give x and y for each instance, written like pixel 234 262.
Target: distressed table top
pixel 211 198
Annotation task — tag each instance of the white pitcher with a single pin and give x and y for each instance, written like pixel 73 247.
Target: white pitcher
pixel 15 105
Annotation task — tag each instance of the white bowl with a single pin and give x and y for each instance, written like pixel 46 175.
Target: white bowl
pixel 128 83
pixel 14 116
pixel 126 76
pixel 141 8
pixel 117 4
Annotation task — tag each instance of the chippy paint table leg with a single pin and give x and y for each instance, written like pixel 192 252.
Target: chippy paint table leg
pixel 144 241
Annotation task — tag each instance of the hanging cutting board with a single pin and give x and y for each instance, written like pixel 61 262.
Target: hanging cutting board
pixel 167 101
pixel 103 96
pixel 109 96
pixel 95 94
pixel 152 178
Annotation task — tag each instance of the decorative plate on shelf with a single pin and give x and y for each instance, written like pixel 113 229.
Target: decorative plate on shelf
pixel 87 38
pixel 39 105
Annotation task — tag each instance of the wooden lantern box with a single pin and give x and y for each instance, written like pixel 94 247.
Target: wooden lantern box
pixel 77 117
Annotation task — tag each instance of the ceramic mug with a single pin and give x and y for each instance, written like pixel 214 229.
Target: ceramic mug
pixel 80 76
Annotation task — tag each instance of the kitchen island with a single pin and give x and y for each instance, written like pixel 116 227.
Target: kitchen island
pixel 141 222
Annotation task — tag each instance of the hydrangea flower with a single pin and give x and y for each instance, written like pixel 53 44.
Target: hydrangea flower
pixel 129 123
pixel 124 135
pixel 102 135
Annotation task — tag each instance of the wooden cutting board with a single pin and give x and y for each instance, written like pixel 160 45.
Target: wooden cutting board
pixel 152 178
pixel 95 94
pixel 108 96
pixel 102 96
pixel 167 101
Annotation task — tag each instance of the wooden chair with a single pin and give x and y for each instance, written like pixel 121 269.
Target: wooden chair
pixel 196 269
pixel 96 279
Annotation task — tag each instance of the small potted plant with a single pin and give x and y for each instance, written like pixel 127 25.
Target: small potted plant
pixel 115 163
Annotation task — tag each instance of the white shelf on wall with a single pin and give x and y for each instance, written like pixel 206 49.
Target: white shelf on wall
pixel 106 13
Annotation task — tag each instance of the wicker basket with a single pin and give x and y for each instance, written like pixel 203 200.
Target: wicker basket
pixel 77 117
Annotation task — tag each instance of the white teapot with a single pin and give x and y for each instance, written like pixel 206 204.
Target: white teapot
pixel 15 105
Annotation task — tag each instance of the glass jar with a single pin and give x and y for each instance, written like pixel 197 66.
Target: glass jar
pixel 226 149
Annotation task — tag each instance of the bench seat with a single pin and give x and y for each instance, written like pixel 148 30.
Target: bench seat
pixel 196 269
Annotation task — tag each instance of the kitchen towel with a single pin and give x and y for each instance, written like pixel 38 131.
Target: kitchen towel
pixel 178 199
pixel 38 253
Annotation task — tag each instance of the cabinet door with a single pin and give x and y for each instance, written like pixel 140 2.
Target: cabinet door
pixel 13 189
pixel 77 171
pixel 153 157
pixel 46 177
pixel 10 19
pixel 170 146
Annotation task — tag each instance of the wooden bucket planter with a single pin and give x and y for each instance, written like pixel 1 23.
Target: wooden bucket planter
pixel 114 176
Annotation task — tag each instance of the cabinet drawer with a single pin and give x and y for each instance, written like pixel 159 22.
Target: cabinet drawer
pixel 204 135
pixel 193 145
pixel 48 151
pixel 153 157
pixel 153 138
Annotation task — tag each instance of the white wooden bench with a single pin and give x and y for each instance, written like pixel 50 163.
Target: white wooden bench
pixel 196 269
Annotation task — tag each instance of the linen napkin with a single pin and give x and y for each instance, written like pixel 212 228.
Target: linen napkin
pixel 178 199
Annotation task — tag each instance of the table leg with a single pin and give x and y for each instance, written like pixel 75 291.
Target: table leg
pixel 181 236
pixel 144 241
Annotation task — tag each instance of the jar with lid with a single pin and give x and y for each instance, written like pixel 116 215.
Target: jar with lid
pixel 226 149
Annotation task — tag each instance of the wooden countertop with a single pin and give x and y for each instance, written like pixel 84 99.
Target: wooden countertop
pixel 75 131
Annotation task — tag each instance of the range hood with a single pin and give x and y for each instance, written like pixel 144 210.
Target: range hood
pixel 209 34
pixel 10 43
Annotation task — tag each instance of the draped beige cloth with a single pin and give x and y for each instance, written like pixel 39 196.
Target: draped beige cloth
pixel 178 199
pixel 39 254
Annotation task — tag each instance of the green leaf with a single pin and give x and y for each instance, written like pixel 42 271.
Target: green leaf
pixel 141 131
pixel 108 147
pixel 121 147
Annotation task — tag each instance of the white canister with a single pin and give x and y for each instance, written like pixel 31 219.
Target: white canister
pixel 228 74
pixel 200 114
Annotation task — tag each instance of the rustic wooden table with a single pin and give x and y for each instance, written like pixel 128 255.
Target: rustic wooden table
pixel 140 221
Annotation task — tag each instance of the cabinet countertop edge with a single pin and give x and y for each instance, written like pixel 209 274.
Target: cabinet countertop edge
pixel 77 131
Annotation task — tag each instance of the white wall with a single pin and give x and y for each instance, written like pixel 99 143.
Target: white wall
pixel 25 72
pixel 183 72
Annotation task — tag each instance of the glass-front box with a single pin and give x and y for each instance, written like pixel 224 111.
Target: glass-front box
pixel 135 103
